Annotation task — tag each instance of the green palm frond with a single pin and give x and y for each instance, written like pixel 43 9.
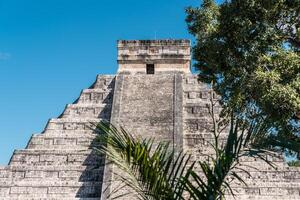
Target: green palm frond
pixel 152 170
pixel 225 162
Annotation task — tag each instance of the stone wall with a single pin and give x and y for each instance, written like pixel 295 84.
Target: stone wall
pixel 133 55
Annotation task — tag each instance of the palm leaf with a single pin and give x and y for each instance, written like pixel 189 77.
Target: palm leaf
pixel 153 173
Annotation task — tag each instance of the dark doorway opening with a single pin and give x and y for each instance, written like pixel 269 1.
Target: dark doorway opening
pixel 150 68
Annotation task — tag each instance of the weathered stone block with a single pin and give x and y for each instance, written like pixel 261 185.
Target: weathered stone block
pixel 70 173
pixel 28 190
pixel 34 174
pixel 25 158
pixel 63 190
pixel 192 95
pixel 4 191
pixel 205 95
pixel 64 141
pixel 5 173
pixel 53 158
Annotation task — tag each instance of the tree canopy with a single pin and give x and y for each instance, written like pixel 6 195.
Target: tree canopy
pixel 250 50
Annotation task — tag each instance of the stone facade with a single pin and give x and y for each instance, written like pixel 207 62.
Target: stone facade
pixel 167 105
pixel 134 55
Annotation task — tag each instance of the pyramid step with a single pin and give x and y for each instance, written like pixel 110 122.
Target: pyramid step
pixel 39 157
pixel 194 125
pixel 52 197
pixel 196 111
pixel 104 81
pixel 194 85
pixel 85 124
pixel 265 189
pixel 54 191
pixel 51 168
pixel 259 196
pixel 18 182
pixel 59 177
pixel 68 132
pixel 45 171
pixel 46 197
pixel 87 111
pixel 248 163
pixel 27 177
pixel 282 178
pixel 95 96
pixel 201 97
pixel 44 141
pixel 47 182
pixel 197 100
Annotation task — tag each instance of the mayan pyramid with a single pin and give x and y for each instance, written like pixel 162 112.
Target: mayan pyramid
pixel 153 94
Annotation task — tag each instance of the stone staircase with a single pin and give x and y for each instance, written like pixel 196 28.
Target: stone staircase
pixel 60 163
pixel 145 106
pixel 267 183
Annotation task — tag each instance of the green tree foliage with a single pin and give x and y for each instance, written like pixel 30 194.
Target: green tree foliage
pixel 250 50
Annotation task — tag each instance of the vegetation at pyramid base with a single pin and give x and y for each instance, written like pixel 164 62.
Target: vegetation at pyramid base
pixel 250 50
pixel 154 170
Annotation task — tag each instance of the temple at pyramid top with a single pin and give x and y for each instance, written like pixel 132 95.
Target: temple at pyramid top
pixel 154 56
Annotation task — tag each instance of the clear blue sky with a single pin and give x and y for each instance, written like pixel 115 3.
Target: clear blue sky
pixel 51 49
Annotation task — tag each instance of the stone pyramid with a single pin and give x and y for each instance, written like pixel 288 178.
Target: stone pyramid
pixel 153 94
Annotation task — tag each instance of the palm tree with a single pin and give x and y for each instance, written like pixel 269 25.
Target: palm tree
pixel 156 171
pixel 153 173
